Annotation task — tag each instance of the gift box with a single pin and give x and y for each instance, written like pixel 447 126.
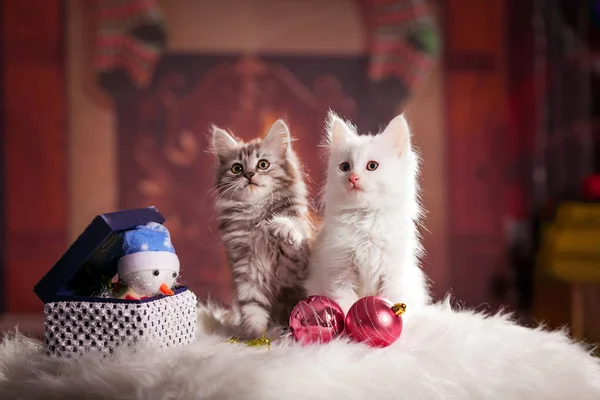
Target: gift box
pixel 78 321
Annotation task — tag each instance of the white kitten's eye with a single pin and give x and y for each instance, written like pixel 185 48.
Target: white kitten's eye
pixel 263 164
pixel 237 168
pixel 345 166
pixel 372 165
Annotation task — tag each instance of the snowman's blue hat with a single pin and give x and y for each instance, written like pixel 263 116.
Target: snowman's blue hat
pixel 148 247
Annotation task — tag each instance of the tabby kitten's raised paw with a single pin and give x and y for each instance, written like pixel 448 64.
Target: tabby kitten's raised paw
pixel 285 230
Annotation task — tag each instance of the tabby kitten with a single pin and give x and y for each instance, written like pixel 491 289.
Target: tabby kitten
pixel 264 223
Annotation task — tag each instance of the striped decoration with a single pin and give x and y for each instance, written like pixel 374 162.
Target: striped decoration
pixel 373 320
pixel 130 39
pixel 316 319
pixel 403 40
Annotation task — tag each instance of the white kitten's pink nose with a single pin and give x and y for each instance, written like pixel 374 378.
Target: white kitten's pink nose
pixel 353 178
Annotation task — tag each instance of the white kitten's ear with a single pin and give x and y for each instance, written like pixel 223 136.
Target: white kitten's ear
pixel 338 131
pixel 222 141
pixel 278 138
pixel 397 133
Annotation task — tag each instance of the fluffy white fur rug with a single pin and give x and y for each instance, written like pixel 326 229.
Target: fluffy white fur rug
pixel 442 354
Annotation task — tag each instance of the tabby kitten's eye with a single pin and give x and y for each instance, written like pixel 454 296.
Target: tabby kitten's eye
pixel 263 164
pixel 345 166
pixel 237 168
pixel 372 165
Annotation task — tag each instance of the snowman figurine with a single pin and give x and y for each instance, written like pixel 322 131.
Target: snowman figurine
pixel 148 266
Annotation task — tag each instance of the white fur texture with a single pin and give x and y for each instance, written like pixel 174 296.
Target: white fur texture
pixel 442 354
pixel 368 243
pixel 216 319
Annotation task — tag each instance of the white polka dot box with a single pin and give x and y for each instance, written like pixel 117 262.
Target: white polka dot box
pixel 79 319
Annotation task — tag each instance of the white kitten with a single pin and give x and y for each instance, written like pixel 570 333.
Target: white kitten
pixel 368 243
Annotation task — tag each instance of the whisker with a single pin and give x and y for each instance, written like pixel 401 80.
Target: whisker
pixel 224 193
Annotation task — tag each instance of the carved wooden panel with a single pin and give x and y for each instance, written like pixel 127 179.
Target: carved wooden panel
pixel 163 136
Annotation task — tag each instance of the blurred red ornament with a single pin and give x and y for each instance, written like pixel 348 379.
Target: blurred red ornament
pixel 316 319
pixel 375 321
pixel 591 187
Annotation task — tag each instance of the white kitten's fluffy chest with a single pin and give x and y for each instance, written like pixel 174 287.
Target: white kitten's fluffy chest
pixel 365 246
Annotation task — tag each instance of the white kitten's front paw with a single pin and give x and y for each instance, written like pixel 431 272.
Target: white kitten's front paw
pixel 284 229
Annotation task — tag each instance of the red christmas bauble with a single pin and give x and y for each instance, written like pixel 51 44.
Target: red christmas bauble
pixel 375 321
pixel 591 187
pixel 316 319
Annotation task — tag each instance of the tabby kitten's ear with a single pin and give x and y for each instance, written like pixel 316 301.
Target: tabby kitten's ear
pixel 397 133
pixel 222 141
pixel 278 138
pixel 338 131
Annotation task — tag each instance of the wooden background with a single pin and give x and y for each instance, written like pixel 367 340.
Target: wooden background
pixel 34 152
pixel 475 46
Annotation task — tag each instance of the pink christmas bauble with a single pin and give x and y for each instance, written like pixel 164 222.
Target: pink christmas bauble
pixel 316 319
pixel 375 321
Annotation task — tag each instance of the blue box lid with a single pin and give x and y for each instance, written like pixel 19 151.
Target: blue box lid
pixel 92 258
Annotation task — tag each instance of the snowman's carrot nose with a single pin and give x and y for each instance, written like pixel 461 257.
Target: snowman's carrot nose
pixel 165 290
